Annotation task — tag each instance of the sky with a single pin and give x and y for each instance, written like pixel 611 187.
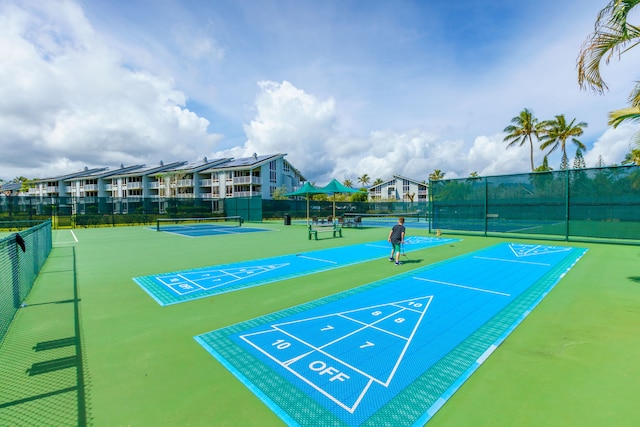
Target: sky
pixel 343 87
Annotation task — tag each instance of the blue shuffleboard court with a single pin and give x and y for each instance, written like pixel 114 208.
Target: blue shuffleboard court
pixel 175 287
pixel 390 352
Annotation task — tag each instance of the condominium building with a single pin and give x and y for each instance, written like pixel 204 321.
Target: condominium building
pixel 399 188
pixel 205 179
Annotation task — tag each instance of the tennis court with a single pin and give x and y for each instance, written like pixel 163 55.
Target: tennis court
pixel 91 347
pixel 198 227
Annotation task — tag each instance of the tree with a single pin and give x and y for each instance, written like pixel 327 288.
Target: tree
pixel 558 131
pixel 436 175
pixel 612 35
pixel 544 167
pixel 378 181
pixel 631 114
pixel 523 128
pixel 364 179
pixel 348 183
pixel 632 157
pixel 578 161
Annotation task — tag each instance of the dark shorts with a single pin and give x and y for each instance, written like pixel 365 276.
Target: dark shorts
pixel 396 246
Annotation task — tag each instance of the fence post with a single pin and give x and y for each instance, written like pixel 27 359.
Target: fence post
pixel 566 208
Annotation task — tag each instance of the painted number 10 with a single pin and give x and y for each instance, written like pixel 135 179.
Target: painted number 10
pixel 281 344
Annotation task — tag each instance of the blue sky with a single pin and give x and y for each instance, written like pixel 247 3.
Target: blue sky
pixel 343 87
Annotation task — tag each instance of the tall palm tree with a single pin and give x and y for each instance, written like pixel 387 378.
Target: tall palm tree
pixel 348 183
pixel 378 181
pixel 612 36
pixel 364 179
pixel 436 175
pixel 558 131
pixel 523 128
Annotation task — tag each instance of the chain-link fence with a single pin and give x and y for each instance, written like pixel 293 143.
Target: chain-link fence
pixel 598 203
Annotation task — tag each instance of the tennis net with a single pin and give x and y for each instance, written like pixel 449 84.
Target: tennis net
pixel 182 224
pixel 18 269
pixel 381 219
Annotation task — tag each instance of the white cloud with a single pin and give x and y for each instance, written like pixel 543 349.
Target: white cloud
pixel 70 97
pixel 612 145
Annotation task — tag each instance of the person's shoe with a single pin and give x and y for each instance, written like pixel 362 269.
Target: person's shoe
pixel 391 259
pixel 398 263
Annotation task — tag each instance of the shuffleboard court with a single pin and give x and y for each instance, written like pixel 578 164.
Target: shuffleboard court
pixel 176 287
pixel 391 352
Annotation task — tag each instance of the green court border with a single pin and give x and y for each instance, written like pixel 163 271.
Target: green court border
pixel 423 398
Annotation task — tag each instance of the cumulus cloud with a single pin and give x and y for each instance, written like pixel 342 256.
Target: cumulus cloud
pixel 72 97
pixel 289 120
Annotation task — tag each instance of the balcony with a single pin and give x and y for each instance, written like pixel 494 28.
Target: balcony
pixel 205 183
pixel 134 185
pixel 184 183
pixel 247 180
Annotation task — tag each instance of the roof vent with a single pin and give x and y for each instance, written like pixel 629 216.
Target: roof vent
pixel 205 159
pixel 255 156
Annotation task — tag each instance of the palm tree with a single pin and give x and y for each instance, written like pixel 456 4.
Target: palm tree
pixel 632 157
pixel 378 181
pixel 436 175
pixel 523 128
pixel 631 114
pixel 612 35
pixel 364 179
pixel 348 183
pixel 558 131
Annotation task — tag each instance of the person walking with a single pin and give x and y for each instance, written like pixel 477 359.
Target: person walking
pixel 396 238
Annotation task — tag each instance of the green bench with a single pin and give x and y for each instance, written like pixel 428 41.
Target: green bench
pixel 336 229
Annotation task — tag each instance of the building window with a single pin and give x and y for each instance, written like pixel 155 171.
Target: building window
pixel 273 174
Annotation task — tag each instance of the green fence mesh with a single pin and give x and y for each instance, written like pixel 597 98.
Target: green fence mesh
pixel 18 269
pixel 598 203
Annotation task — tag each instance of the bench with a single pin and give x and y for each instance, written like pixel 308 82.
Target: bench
pixel 336 229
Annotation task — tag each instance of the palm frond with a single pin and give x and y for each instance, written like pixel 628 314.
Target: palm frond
pixel 616 117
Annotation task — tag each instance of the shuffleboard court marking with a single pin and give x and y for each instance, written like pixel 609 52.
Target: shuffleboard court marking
pixel 348 325
pixel 175 287
pixel 372 355
pixel 463 287
pixel 511 260
pixel 317 259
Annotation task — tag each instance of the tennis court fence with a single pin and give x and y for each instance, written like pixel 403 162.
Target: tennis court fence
pixel 18 268
pixel 575 204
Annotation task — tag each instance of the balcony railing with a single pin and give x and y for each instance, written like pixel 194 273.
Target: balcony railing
pixel 247 180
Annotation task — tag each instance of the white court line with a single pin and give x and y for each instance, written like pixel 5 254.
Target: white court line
pixel 462 286
pixel 74 236
pixel 318 259
pixel 512 260
pixel 378 246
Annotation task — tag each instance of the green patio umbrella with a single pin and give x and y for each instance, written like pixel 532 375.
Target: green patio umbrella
pixel 336 187
pixel 306 190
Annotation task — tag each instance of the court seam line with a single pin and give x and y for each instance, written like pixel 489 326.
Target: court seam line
pixel 512 260
pixel 463 286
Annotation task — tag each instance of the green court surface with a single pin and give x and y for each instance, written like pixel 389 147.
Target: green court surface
pixel 571 362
